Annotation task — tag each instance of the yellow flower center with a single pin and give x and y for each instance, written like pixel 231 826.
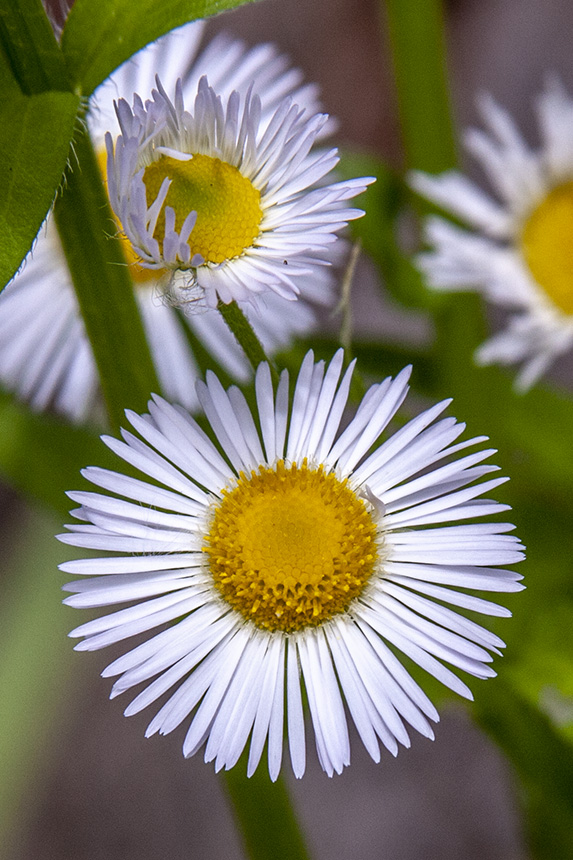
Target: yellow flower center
pixel 291 547
pixel 228 206
pixel 140 274
pixel 547 245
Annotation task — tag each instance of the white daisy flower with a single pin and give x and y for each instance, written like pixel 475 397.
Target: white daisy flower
pixel 234 202
pixel 45 356
pixel 285 556
pixel 523 255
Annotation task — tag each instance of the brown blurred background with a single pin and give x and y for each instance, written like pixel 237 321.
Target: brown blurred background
pixel 100 791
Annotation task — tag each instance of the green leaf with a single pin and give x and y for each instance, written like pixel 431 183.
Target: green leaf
pixel 35 134
pixel 42 456
pixel 100 35
pixel 31 48
pixel 104 287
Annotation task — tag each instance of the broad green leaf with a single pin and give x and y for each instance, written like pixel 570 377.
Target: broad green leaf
pixel 29 43
pixel 103 286
pixel 42 456
pixel 100 35
pixel 35 134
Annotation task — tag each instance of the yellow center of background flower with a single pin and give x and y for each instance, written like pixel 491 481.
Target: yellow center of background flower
pixel 291 547
pixel 547 245
pixel 228 206
pixel 140 274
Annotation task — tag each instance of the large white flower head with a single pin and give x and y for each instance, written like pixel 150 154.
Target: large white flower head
pixel 45 355
pixel 288 555
pixel 234 202
pixel 523 258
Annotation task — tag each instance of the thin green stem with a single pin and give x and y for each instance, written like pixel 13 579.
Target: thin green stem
pixel 245 335
pixel 103 286
pixel 265 816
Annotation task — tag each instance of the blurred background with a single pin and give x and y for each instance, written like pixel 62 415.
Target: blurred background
pixel 97 788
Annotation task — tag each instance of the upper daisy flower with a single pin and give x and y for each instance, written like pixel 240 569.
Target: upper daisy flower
pixel 524 259
pixel 234 202
pixel 45 355
pixel 286 554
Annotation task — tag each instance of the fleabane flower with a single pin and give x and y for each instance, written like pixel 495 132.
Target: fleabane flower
pixel 519 252
pixel 289 555
pixel 45 355
pixel 234 203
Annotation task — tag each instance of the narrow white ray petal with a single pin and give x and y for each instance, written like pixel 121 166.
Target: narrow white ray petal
pixel 456 598
pixel 350 682
pixel 208 708
pixel 295 719
pixel 273 675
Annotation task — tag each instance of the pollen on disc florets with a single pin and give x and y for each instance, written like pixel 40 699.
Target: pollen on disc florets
pixel 290 547
pixel 228 206
pixel 547 245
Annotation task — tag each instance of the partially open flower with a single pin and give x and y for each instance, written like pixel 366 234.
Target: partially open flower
pixel 234 202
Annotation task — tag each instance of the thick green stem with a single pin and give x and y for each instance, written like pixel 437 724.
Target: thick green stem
pixel 103 285
pixel 418 52
pixel 245 335
pixel 265 816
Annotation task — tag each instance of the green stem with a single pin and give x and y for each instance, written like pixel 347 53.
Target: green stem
pixel 103 285
pixel 418 49
pixel 245 335
pixel 418 52
pixel 265 816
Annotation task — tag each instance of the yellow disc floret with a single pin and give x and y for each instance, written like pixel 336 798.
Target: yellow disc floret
pixel 291 547
pixel 547 245
pixel 227 204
